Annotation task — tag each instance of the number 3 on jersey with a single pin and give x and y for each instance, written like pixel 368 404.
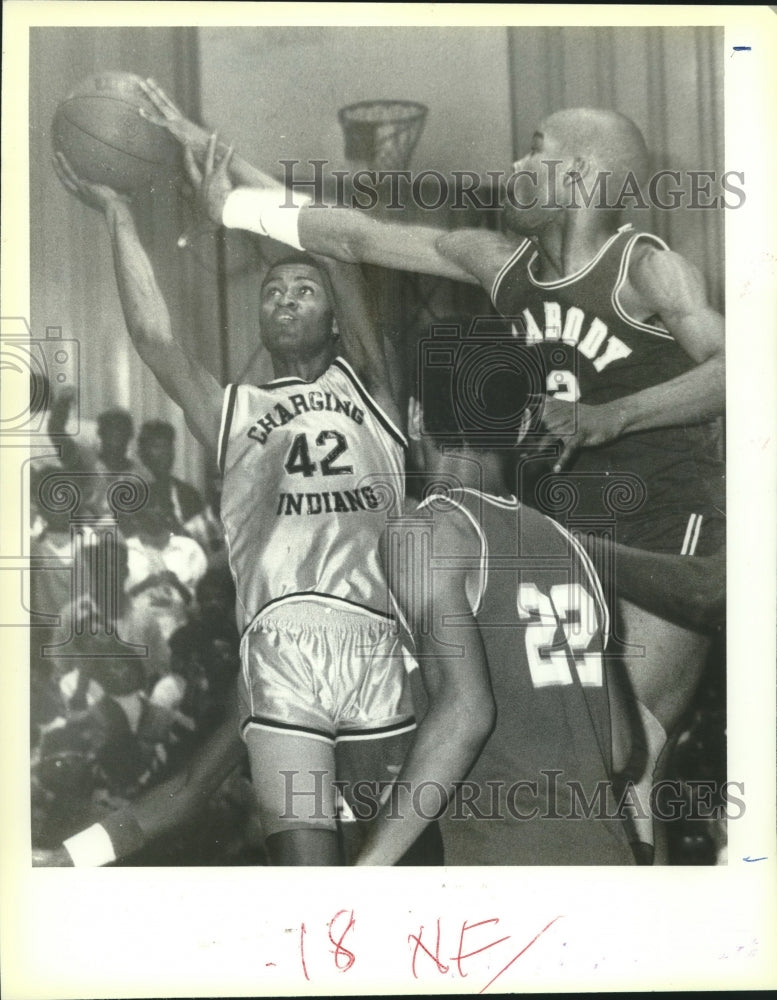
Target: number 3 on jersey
pixel 299 462
pixel 568 609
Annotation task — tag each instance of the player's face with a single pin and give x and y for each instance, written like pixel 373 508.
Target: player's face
pixel 537 184
pixel 296 315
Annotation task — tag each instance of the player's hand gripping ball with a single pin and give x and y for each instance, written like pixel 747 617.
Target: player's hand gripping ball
pixel 101 132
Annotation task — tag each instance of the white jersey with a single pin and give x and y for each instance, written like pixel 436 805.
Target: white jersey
pixel 311 471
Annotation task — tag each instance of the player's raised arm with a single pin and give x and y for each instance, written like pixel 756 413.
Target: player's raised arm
pixel 187 382
pixel 668 286
pixel 260 204
pixel 461 711
pixel 361 333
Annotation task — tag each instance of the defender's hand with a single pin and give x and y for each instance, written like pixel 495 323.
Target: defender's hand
pixel 212 184
pixel 170 117
pixel 97 196
pixel 577 425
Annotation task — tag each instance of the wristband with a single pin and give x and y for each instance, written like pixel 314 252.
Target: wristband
pixel 118 835
pixel 91 848
pixel 260 210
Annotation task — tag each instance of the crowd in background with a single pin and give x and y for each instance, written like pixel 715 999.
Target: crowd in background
pixel 133 639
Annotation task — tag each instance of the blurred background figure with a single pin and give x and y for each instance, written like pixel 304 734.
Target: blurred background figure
pixel 170 500
pixel 204 656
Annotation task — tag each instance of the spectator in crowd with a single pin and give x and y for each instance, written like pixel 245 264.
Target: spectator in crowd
pixel 164 569
pixel 115 430
pixel 205 655
pixel 170 500
pixel 206 527
pixel 109 741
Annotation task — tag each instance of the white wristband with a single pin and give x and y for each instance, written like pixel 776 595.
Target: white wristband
pixel 91 848
pixel 265 211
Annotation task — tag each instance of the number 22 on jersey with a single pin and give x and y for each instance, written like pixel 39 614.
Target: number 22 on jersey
pixel 561 630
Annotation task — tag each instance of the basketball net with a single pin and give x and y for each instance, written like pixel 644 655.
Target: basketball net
pixel 382 134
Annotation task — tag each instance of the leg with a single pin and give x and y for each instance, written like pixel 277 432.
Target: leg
pixel 293 778
pixel 367 767
pixel 663 682
pixel 665 678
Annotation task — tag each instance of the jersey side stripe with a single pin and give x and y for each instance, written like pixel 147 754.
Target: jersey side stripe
pixel 620 281
pixel 283 382
pixel 570 279
pixel 227 412
pixel 382 417
pixel 593 577
pixel 506 267
pixel 506 503
pixel 483 572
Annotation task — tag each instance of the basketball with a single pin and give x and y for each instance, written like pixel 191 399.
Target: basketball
pixel 98 129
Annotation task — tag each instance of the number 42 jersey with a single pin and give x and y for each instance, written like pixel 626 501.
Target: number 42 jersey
pixel 310 472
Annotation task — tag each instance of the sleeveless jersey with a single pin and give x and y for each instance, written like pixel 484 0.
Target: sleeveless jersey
pixel 311 470
pixel 594 352
pixel 544 624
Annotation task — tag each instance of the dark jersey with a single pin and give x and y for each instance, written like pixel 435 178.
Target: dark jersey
pixel 544 624
pixel 593 352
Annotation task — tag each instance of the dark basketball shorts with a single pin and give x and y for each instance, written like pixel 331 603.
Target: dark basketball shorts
pixel 677 532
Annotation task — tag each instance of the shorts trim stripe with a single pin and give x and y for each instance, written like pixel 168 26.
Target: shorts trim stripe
pixel 377 733
pixel 692 531
pixel 272 725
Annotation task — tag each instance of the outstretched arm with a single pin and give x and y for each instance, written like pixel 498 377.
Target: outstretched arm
pixel 361 333
pixel 347 234
pixel 688 590
pixel 187 382
pixel 158 811
pixel 461 711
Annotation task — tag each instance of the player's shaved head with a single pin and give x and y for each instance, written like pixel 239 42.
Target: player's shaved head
pixel 605 139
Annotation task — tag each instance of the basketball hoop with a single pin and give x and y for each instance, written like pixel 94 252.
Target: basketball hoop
pixel 382 134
